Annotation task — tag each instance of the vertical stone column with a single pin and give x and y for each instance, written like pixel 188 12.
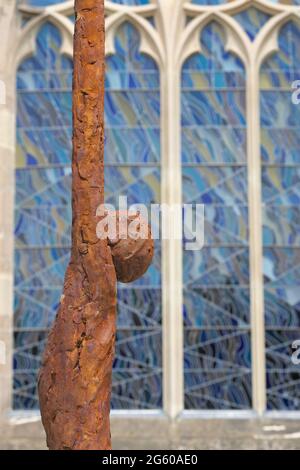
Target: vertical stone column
pixel 8 28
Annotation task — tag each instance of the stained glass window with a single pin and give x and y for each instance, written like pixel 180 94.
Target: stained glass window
pixel 42 204
pixel 208 2
pixel 132 115
pixel 252 20
pixel 293 2
pixel 216 310
pixel 217 360
pixel 280 144
pixel 219 2
pixel 131 2
pixel 41 3
pixel 43 213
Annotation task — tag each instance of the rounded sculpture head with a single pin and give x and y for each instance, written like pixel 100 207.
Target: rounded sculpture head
pixel 133 248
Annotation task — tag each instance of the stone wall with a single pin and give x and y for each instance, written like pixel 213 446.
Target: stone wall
pixel 159 434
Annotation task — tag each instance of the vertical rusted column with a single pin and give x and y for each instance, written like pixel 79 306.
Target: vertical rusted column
pixel 75 379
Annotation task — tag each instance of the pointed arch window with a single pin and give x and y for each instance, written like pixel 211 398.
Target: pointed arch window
pixel 280 144
pixel 42 204
pixel 217 356
pixel 43 213
pixel 132 168
pixel 220 162
pixel 131 2
pixel 42 3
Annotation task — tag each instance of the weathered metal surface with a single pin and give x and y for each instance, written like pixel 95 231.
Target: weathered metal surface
pixel 75 378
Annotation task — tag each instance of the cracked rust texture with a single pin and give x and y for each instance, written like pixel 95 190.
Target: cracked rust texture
pixel 75 377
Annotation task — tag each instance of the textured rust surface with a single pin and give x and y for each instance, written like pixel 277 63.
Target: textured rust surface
pixel 132 256
pixel 75 377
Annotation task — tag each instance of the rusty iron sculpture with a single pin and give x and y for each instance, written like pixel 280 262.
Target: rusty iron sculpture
pixel 76 373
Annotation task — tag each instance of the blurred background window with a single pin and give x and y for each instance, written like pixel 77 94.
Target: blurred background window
pixel 43 212
pixel 280 158
pixel 217 347
pixel 219 322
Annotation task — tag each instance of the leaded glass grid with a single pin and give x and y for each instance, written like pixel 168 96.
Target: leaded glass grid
pixel 252 20
pixel 42 3
pixel 216 308
pixel 131 2
pixel 217 355
pixel 42 204
pixel 43 213
pixel 208 2
pixel 220 2
pixel 280 144
pixel 132 115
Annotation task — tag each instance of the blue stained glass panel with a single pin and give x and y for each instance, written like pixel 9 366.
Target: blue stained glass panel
pixel 135 144
pixel 42 3
pixel 132 109
pixel 226 224
pixel 43 213
pixel 43 186
pixel 282 376
pixel 218 390
pixel 224 185
pixel 213 108
pixel 280 264
pixel 45 225
pixel 209 145
pixel 217 266
pixel 216 307
pixel 128 57
pixel 280 145
pixel 139 184
pixel 280 122
pixel 52 110
pixel 132 114
pixel 277 233
pixel 217 369
pixel 131 2
pixel 208 2
pixel 41 267
pixel 24 394
pixel 35 308
pixel 281 185
pixel 205 350
pixel 140 308
pixel 217 359
pixel 219 2
pixel 53 2
pixel 137 388
pixel 252 20
pixel 132 102
pixel 40 147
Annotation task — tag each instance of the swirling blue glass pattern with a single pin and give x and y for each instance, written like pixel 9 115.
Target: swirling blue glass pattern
pixel 252 20
pixel 219 2
pixel 43 212
pixel 280 146
pixel 132 102
pixel 42 203
pixel 131 2
pixel 217 352
pixel 132 115
pixel 42 3
pixel 208 2
pixel 53 2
